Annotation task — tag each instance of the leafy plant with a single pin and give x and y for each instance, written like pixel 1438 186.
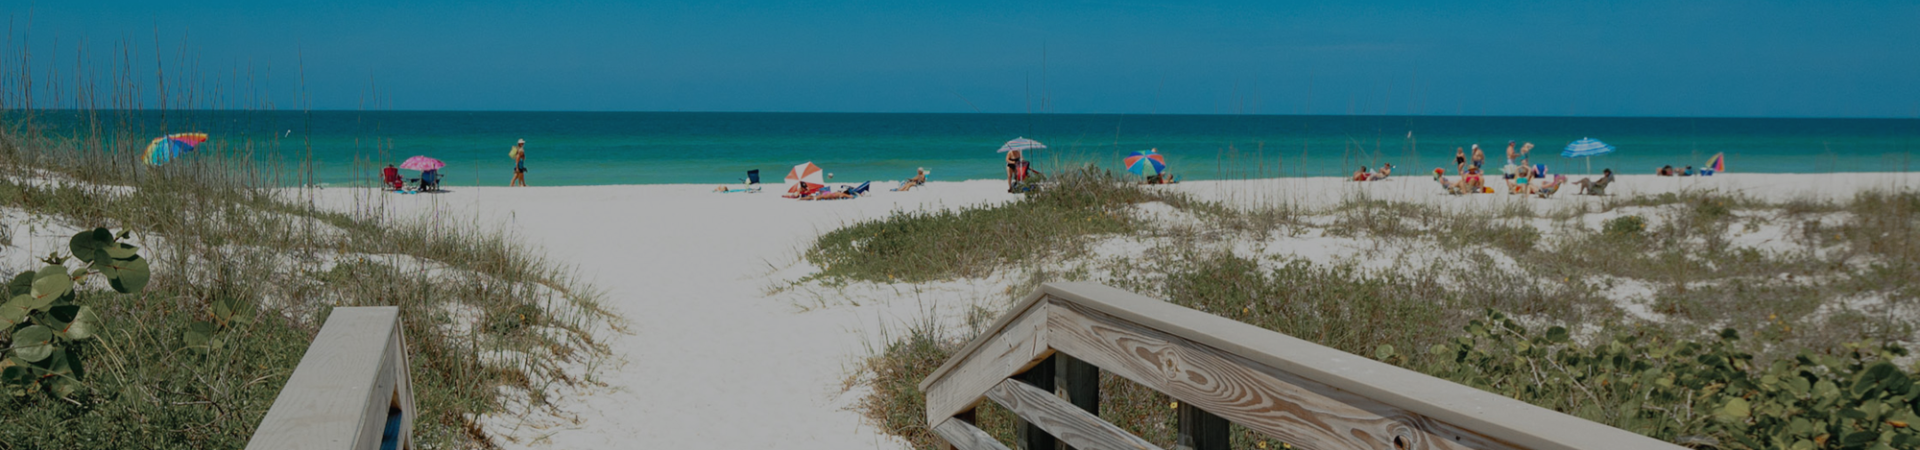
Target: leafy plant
pixel 42 320
pixel 1701 393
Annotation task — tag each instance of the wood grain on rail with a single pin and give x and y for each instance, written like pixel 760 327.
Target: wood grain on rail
pixel 964 436
pixel 1298 411
pixel 1063 420
pixel 1017 347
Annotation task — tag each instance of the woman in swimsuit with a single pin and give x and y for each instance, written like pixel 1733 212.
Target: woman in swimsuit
pixel 1013 163
pixel 1460 159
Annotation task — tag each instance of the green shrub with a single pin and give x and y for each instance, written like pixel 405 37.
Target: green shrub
pixel 1696 392
pixel 1624 226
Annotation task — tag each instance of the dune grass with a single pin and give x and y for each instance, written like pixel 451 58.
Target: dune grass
pixel 492 327
pixel 929 245
pixel 1801 277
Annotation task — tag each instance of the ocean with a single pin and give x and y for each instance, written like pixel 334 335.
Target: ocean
pixel 600 148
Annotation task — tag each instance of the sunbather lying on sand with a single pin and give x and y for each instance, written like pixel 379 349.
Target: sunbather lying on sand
pixel 835 195
pixel 1455 188
pixel 803 190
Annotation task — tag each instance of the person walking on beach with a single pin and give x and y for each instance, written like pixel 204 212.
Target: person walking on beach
pixel 519 154
pixel 1460 160
pixel 1479 157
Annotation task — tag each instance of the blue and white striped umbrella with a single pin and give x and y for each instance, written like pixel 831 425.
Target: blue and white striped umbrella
pixel 1021 144
pixel 1586 147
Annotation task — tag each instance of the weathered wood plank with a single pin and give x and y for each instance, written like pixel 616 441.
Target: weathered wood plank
pixel 1063 420
pixel 1027 435
pixel 339 396
pixel 1078 383
pixel 964 436
pixel 1401 400
pixel 1017 347
pixel 1295 410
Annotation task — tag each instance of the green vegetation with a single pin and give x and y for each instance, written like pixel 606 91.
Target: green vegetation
pixel 917 246
pixel 243 273
pixel 1823 292
pixel 43 322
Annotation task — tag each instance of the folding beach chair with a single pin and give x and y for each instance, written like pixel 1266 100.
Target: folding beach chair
pixel 753 181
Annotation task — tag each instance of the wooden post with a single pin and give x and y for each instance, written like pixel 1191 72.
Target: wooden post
pixel 1077 382
pixel 1027 435
pixel 1200 430
pixel 350 392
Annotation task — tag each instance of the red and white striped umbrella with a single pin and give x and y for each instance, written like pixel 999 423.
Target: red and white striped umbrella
pixel 805 172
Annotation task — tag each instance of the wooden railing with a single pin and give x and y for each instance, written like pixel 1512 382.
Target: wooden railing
pixel 350 392
pixel 1042 360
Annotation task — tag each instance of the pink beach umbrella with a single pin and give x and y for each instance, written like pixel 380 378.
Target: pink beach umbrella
pixel 422 163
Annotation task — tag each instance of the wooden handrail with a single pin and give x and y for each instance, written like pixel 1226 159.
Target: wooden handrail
pixel 1306 394
pixel 351 390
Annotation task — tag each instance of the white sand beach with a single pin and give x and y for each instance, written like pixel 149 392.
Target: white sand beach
pixel 713 358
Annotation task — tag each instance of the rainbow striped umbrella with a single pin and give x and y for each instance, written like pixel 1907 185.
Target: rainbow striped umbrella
pixel 166 148
pixel 1147 163
pixel 1718 163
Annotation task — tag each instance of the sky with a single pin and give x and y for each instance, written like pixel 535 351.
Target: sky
pixel 1707 58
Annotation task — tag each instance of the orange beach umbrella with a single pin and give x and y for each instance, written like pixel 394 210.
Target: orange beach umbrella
pixel 806 172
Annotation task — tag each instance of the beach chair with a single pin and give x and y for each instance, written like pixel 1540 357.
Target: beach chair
pixel 1595 187
pixel 1539 170
pixel 430 181
pixel 861 189
pixel 752 183
pixel 1551 188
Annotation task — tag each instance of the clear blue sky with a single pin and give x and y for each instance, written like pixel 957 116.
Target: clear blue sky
pixel 1632 58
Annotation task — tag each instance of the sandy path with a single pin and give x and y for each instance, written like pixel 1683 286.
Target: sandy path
pixel 711 361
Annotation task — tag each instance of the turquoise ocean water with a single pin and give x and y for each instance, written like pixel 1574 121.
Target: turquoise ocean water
pixel 597 148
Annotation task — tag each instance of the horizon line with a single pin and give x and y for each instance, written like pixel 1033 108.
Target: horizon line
pixel 963 113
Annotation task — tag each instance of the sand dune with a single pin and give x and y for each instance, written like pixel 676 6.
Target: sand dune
pixel 711 359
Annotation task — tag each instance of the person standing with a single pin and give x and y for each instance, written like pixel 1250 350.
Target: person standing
pixel 1460 160
pixel 1479 157
pixel 519 154
pixel 1013 164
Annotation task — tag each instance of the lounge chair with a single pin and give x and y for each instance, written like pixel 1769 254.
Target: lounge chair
pixel 752 183
pixel 1450 187
pixel 845 193
pixel 1550 188
pixel 1591 187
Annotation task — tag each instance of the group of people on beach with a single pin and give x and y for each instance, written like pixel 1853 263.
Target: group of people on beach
pixel 1523 178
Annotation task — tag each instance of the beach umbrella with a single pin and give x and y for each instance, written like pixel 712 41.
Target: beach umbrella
pixel 1718 163
pixel 422 163
pixel 804 172
pixel 1587 148
pixel 166 148
pixel 1021 144
pixel 1146 163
